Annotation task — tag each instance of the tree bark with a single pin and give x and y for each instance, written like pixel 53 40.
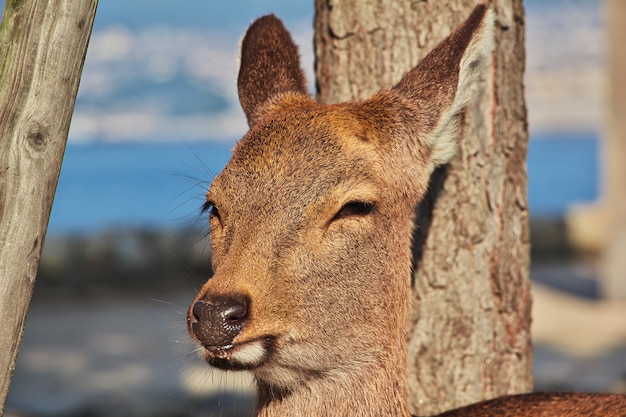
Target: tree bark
pixel 469 333
pixel 42 50
pixel 614 279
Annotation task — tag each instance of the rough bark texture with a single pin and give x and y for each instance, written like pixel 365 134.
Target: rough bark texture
pixel 469 334
pixel 42 50
pixel 614 279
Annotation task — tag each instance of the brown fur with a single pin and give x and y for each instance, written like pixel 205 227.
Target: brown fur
pixel 547 405
pixel 259 77
pixel 311 225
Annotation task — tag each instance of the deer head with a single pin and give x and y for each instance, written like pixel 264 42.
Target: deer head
pixel 311 220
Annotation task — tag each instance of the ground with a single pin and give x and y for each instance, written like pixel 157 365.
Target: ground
pixel 112 355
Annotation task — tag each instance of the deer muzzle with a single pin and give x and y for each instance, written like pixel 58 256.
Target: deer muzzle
pixel 215 323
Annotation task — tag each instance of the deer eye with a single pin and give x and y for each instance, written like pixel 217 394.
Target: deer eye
pixel 211 208
pixel 355 209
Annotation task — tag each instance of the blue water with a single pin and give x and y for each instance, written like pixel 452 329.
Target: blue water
pixel 133 184
pixel 563 169
pixel 106 185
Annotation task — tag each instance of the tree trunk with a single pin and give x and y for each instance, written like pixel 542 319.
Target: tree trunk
pixel 42 50
pixel 469 334
pixel 614 279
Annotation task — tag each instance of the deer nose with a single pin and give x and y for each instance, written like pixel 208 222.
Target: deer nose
pixel 216 322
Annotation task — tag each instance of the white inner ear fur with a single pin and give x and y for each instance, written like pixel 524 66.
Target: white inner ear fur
pixel 476 58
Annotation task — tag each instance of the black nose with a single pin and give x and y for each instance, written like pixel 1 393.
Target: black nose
pixel 216 322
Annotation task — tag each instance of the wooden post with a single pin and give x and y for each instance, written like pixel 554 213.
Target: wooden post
pixel 42 51
pixel 469 336
pixel 614 161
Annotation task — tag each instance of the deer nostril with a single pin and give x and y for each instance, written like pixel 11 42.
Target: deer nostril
pixel 235 314
pixel 198 310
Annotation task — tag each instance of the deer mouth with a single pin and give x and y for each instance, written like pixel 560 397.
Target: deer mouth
pixel 246 355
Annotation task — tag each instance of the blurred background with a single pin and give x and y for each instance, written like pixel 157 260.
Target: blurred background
pixel 156 116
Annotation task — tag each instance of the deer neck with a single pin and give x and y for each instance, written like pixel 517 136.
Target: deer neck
pixel 372 391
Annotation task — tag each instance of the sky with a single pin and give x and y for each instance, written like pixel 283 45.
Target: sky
pixel 156 71
pixel 159 71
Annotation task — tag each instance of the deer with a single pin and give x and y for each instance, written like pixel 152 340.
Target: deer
pixel 310 231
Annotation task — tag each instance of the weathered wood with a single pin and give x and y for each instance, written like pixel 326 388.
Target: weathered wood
pixel 614 162
pixel 42 50
pixel 469 336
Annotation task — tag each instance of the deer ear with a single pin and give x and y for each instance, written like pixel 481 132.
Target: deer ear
pixel 444 81
pixel 270 67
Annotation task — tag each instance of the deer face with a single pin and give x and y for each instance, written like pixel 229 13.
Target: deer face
pixel 300 260
pixel 311 219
